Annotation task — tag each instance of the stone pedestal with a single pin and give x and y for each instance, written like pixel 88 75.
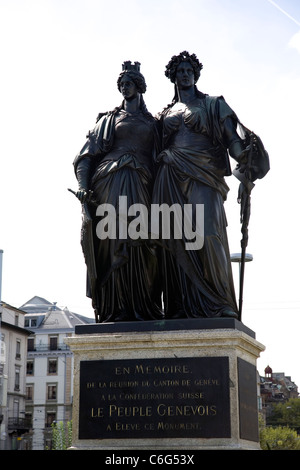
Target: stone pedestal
pixel 165 385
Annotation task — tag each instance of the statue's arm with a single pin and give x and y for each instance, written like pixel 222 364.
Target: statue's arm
pixel 235 144
pixel 83 171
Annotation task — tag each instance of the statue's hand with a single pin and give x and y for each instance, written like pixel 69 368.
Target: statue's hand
pixel 159 157
pixel 165 156
pixel 242 162
pixel 243 158
pixel 82 195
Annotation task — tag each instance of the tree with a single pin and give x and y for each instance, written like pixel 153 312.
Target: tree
pixel 286 414
pixel 61 435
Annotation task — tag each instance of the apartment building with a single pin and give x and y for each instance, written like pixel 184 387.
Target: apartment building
pixel 13 358
pixel 275 387
pixel 49 370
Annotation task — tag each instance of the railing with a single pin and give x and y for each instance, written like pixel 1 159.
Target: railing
pixel 19 424
pixel 47 347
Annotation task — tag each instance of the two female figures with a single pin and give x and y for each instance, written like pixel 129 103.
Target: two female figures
pixel 186 152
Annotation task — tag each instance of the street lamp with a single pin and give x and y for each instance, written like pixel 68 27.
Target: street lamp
pixel 1 255
pixel 237 258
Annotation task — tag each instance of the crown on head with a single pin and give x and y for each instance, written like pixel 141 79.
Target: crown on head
pixel 127 65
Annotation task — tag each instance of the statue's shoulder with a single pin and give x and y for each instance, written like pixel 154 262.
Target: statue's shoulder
pixel 214 100
pixel 161 114
pixel 100 115
pixel 218 106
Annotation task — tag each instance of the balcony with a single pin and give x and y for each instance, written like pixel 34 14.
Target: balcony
pixel 19 425
pixel 48 347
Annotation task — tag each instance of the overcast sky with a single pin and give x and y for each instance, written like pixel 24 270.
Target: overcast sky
pixel 60 60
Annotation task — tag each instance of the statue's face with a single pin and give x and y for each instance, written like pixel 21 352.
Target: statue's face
pixel 128 88
pixel 185 77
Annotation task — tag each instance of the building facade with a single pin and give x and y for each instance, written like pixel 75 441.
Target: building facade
pixel 49 370
pixel 275 387
pixel 13 359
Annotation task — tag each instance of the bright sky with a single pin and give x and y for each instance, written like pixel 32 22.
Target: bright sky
pixel 60 61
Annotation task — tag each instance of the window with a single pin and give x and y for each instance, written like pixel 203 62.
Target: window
pixel 17 379
pixel 50 418
pixel 28 417
pixel 48 444
pixel 18 349
pixel 2 350
pixel 16 320
pixel 30 323
pixel 52 366
pixel 30 344
pixel 53 342
pixel 51 391
pixel 30 367
pixel 16 408
pixel 29 392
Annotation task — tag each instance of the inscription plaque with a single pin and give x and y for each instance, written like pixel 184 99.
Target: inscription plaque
pixel 154 398
pixel 248 401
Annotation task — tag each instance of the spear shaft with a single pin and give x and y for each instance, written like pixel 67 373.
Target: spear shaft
pixel 244 199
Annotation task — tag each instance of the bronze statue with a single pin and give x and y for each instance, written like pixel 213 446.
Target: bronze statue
pixel 197 130
pixel 118 160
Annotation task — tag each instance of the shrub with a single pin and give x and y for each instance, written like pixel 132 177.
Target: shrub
pixel 279 438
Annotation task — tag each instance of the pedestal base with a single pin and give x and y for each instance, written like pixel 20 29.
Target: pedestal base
pixel 165 385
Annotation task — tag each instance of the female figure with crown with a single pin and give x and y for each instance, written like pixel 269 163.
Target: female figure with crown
pixel 197 130
pixel 117 160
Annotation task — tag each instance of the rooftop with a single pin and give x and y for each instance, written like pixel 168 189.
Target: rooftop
pixel 42 314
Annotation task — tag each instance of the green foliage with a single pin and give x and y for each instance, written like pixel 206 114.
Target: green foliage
pixel 286 414
pixel 61 435
pixel 279 438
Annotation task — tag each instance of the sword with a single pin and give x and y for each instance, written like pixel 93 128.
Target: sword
pixel 87 244
pixel 87 199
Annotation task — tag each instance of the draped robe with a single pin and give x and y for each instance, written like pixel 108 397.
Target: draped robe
pixel 193 164
pixel 122 273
